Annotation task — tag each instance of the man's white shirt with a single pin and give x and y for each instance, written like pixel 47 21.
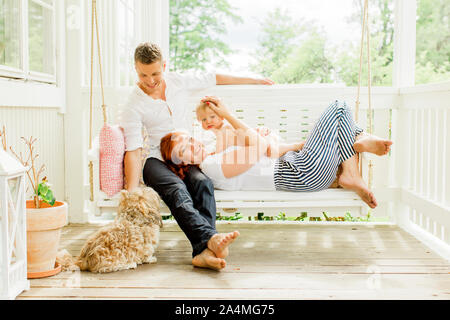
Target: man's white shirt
pixel 161 117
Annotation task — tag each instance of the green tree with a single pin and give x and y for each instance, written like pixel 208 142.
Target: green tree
pixel 433 41
pixel 291 52
pixel 294 52
pixel 277 40
pixel 195 30
pixel 381 26
pixel 307 63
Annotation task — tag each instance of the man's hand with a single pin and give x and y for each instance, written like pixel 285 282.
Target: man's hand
pixel 222 79
pixel 266 81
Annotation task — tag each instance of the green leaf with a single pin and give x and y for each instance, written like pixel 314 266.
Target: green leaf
pixel 42 188
pixel 45 194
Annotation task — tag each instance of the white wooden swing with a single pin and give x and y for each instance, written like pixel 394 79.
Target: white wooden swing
pixel 249 202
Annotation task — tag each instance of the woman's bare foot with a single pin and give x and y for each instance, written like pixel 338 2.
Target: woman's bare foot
pixel 372 144
pixel 207 259
pixel 357 184
pixel 220 241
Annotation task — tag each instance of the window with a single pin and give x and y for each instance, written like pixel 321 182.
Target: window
pixel 41 37
pixel 127 40
pixel 10 38
pixel 432 41
pixel 290 41
pixel 123 24
pixel 27 39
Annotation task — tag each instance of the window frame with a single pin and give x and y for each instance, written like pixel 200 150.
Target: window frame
pixel 24 73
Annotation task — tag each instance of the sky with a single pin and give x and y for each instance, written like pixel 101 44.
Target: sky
pixel 243 38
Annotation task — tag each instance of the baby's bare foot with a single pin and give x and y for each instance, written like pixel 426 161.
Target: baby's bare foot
pixel 220 241
pixel 372 144
pixel 207 259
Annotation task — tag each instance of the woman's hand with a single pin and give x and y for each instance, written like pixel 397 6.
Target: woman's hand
pixel 217 106
pixel 263 131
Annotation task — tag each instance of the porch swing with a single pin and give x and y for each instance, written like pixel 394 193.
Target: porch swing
pixel 229 201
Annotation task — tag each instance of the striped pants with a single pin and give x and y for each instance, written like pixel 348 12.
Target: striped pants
pixel 330 143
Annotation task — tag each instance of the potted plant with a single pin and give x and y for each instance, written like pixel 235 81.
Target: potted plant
pixel 45 219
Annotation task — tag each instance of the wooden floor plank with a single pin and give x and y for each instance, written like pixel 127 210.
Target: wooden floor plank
pixel 244 243
pixel 268 261
pixel 168 268
pixel 209 280
pixel 209 294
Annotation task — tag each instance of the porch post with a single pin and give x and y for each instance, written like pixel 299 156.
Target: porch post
pixel 75 126
pixel 404 43
pixel 403 76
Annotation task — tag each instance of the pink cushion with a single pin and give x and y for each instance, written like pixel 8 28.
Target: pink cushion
pixel 112 149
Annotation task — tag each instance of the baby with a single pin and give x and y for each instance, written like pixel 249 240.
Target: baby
pixel 220 135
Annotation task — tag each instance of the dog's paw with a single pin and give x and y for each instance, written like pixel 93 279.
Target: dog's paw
pixel 151 260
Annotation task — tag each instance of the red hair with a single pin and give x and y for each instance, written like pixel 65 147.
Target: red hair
pixel 167 145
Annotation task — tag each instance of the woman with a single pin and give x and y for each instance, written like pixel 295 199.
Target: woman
pixel 334 140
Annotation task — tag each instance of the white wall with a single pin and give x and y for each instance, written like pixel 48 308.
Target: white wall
pixel 47 126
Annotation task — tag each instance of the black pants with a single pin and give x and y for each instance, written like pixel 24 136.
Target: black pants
pixel 191 201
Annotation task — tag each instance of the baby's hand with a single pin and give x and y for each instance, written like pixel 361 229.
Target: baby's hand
pixel 216 105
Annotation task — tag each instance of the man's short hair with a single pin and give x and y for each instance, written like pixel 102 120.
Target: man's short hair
pixel 147 53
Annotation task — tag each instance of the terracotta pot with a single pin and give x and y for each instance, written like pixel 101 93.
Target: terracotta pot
pixel 43 233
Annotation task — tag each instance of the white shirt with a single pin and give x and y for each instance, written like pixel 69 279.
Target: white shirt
pixel 260 177
pixel 143 110
pixel 209 140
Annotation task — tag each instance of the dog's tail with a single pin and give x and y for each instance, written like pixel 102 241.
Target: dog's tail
pixel 67 262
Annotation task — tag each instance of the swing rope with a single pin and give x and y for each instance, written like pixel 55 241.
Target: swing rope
pixel 365 29
pixel 94 24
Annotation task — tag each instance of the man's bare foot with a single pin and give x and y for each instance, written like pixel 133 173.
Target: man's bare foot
pixel 358 185
pixel 372 144
pixel 220 241
pixel 207 259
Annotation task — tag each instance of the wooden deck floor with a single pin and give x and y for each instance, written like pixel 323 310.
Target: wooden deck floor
pixel 268 261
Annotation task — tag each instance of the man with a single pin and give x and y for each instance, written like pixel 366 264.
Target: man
pixel 159 102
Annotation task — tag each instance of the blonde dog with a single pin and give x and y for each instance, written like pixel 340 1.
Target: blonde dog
pixel 130 240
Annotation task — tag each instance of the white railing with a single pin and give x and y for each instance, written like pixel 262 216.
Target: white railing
pixel 422 169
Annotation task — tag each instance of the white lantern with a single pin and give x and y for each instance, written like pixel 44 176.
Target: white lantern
pixel 13 244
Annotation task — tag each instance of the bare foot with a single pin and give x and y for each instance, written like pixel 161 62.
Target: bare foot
pixel 220 241
pixel 372 144
pixel 358 185
pixel 207 259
